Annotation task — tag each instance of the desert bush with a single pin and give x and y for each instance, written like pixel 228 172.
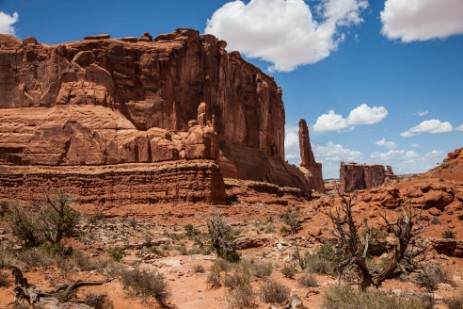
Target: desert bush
pixel 431 276
pixel 213 280
pixel 146 284
pixel 435 220
pixel 291 219
pixel 221 238
pixel 24 226
pixel 347 297
pixel 199 269
pixel 289 270
pixel 95 218
pixel 454 302
pixel 97 301
pixel 315 264
pixel 274 292
pixel 240 277
pixel 307 280
pixel 4 281
pixel 4 208
pixel 81 261
pixel 241 297
pixel 449 233
pixel 6 258
pixel 36 257
pixel 191 231
pixel 116 253
pixel 261 269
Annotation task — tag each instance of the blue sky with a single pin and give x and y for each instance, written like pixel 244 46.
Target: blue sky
pixel 377 81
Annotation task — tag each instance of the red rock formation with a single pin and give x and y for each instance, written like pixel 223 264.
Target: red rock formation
pixel 355 176
pixel 311 169
pixel 104 101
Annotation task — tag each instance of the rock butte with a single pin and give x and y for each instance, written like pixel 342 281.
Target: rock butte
pixel 114 120
pixel 355 176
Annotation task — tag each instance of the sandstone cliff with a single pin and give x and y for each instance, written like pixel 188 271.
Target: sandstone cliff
pixel 355 176
pixel 103 101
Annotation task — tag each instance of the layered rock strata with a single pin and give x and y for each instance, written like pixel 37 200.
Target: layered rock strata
pixel 355 176
pixel 103 102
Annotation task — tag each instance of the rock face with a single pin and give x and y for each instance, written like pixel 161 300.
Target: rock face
pixel 104 101
pixel 311 169
pixel 355 176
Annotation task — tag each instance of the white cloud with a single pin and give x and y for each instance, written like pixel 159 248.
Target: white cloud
pixel 394 156
pixel 421 114
pixel 429 126
pixel 420 20
pixel 292 144
pixel 385 143
pixel 460 127
pixel 434 154
pixel 415 145
pixel 362 114
pixel 7 21
pixel 335 152
pixel 284 33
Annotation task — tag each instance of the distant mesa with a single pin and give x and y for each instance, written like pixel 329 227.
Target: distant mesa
pixel 355 176
pixel 141 119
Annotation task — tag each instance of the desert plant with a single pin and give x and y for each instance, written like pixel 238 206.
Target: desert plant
pixel 4 281
pixel 97 301
pixel 449 233
pixel 199 269
pixel 431 276
pixel 454 302
pixel 291 219
pixel 435 220
pixel 221 238
pixel 95 218
pixel 4 208
pixel 191 231
pixel 274 292
pixel 289 270
pixel 116 253
pixel 57 219
pixel 36 257
pixel 307 280
pixel 346 230
pixel 82 261
pixel 241 297
pixel 261 269
pixel 145 284
pixel 24 226
pixel 213 280
pixel 340 296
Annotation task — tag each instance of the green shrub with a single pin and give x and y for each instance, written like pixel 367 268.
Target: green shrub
pixel 338 297
pixel 145 284
pixel 308 280
pixel 291 219
pixel 222 239
pixel 191 231
pixel 274 293
pixel 24 226
pixel 449 233
pixel 116 253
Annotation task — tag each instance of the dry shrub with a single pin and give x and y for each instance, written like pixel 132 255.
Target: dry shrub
pixel 307 280
pixel 97 301
pixel 36 257
pixel 274 292
pixel 346 297
pixel 81 261
pixel 454 302
pixel 199 269
pixel 145 284
pixel 4 281
pixel 261 269
pixel 289 270
pixel 431 276
pixel 213 280
pixel 241 297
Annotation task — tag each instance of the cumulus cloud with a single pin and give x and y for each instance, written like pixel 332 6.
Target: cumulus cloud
pixel 292 144
pixel 285 33
pixel 420 20
pixel 394 155
pixel 460 127
pixel 429 126
pixel 335 152
pixel 7 22
pixel 415 145
pixel 385 143
pixel 362 114
pixel 421 114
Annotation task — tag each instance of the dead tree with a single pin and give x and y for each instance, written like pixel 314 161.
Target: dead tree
pixel 404 229
pixel 24 291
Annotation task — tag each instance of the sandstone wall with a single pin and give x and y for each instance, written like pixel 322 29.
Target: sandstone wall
pixel 117 185
pixel 105 101
pixel 355 176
